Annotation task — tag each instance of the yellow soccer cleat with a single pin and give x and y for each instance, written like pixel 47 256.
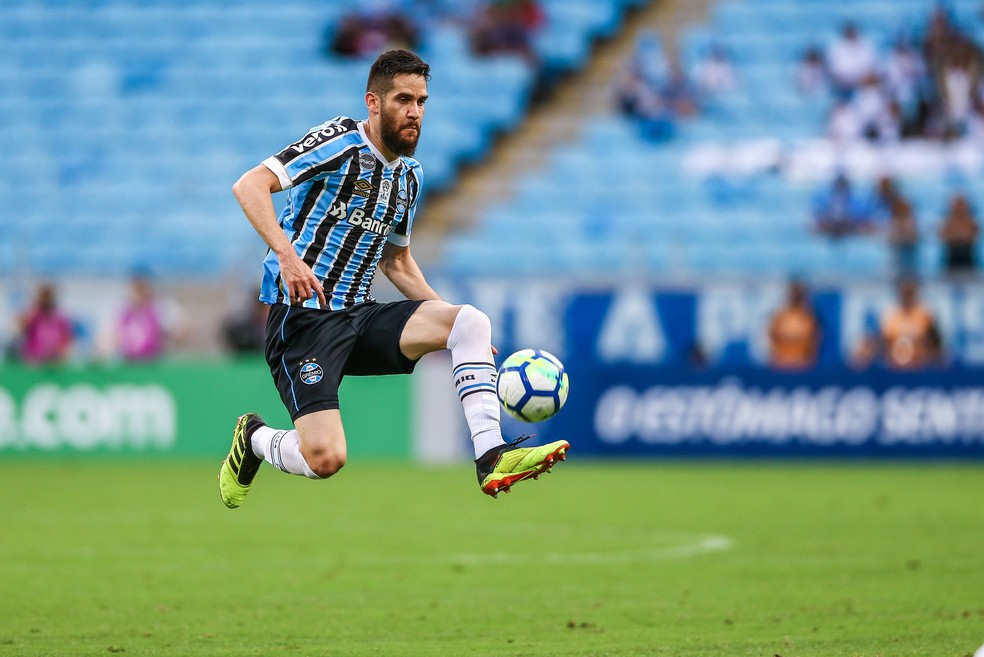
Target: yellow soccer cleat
pixel 501 467
pixel 240 466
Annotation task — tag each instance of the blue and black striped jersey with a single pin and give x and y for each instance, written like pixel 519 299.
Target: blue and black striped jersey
pixel 345 200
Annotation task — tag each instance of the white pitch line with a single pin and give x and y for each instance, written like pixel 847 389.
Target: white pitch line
pixel 697 545
pixel 702 545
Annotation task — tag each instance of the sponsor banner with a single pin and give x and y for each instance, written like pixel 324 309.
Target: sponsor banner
pixel 180 409
pixel 756 412
pixel 643 323
pixel 629 349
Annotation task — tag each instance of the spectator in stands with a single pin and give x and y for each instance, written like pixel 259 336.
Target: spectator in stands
pixel 370 31
pixel 811 72
pixel 837 212
pixel 905 80
pixel 794 331
pixel 883 198
pixel 959 232
pixel 46 333
pixel 960 73
pixel 678 93
pixel 909 332
pixel 940 33
pixel 715 74
pixel 878 117
pixel 638 100
pixel 903 238
pixel 244 332
pixel 956 66
pixel 850 59
pixel 657 102
pixel 844 125
pixel 507 26
pixel 147 325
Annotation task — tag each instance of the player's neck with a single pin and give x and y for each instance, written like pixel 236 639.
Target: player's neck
pixel 373 135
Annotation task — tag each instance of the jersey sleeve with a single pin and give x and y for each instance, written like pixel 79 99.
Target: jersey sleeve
pixel 400 235
pixel 322 150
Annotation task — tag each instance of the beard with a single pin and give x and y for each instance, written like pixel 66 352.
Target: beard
pixel 393 136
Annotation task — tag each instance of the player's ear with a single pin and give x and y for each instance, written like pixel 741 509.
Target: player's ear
pixel 372 102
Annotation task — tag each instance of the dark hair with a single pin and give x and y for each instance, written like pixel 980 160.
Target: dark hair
pixel 392 63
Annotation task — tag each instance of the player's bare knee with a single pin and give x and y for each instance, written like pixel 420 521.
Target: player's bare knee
pixel 324 460
pixel 326 463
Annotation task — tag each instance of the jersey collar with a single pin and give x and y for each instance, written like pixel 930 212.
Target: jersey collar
pixel 389 164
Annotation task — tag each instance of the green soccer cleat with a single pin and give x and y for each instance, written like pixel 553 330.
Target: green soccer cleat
pixel 501 467
pixel 240 467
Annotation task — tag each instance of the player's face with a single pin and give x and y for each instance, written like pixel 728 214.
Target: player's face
pixel 401 111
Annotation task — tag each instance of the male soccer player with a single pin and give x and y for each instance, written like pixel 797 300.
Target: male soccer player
pixel 353 190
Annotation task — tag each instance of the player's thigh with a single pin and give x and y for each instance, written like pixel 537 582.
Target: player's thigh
pixel 428 328
pixel 322 436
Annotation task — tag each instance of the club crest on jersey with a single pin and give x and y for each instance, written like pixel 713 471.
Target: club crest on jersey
pixel 310 372
pixel 367 161
pixel 385 187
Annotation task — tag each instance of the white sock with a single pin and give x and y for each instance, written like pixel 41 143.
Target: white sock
pixel 281 449
pixel 470 343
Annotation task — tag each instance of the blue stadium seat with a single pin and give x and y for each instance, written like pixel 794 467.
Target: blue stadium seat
pixel 202 91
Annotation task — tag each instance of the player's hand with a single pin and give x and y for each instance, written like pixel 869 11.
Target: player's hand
pixel 299 280
pixel 494 350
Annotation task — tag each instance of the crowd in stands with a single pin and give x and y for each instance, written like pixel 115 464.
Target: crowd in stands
pixel 840 211
pixel 368 32
pixel 492 26
pixel 658 92
pixel 145 327
pixel 929 85
pixel 150 328
pixel 906 336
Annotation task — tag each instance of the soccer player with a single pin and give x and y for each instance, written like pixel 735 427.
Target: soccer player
pixel 353 190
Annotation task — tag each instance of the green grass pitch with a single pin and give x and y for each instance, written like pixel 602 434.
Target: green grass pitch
pixel 669 558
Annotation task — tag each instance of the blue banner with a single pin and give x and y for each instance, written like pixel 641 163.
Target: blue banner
pixel 647 323
pixel 638 388
pixel 622 411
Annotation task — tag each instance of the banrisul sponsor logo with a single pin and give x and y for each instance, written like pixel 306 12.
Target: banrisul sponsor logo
pixel 87 417
pixel 359 218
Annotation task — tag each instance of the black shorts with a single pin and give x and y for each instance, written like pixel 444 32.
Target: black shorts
pixel 310 350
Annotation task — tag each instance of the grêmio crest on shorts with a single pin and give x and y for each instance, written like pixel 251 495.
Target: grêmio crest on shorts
pixel 344 202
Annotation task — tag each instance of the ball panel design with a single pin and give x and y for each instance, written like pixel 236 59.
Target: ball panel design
pixel 532 385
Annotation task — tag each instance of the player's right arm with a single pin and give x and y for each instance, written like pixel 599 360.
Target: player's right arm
pixel 254 191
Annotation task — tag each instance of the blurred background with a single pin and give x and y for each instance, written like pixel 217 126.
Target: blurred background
pixel 748 227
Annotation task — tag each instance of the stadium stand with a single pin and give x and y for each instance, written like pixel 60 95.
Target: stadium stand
pixel 124 125
pixel 729 191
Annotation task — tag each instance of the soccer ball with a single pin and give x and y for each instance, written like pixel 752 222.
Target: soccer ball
pixel 532 385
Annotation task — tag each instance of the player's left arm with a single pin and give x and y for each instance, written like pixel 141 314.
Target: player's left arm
pixel 399 266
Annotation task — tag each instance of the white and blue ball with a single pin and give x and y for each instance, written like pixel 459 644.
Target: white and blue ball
pixel 532 385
